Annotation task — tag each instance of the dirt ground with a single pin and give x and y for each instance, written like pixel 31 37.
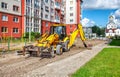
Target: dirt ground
pixel 13 65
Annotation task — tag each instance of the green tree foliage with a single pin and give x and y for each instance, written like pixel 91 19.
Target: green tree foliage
pixel 103 31
pixel 34 35
pixel 99 31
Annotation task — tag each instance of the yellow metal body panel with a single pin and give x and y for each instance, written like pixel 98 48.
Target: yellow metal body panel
pixel 65 39
pixel 79 31
pixel 58 25
pixel 43 38
pixel 73 37
pixel 53 39
pixel 50 40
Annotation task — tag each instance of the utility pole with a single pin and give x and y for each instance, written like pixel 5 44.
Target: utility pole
pixel 30 23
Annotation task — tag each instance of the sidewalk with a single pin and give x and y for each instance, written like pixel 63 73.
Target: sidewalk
pixel 66 66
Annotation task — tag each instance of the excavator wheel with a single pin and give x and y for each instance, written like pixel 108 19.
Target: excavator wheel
pixel 59 50
pixel 52 52
pixel 66 46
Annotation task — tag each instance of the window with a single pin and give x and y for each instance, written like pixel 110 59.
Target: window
pixel 71 20
pixel 15 19
pixel 17 0
pixel 4 29
pixel 52 3
pixel 46 31
pixel 71 8
pixel 37 4
pixel 4 5
pixel 41 15
pixel 4 18
pixel 27 1
pixel 46 16
pixel 71 14
pixel 46 1
pixel 70 26
pixel 52 18
pixel 15 30
pixel 46 8
pixel 71 2
pixel 15 8
pixel 52 10
pixel 46 24
pixel 36 29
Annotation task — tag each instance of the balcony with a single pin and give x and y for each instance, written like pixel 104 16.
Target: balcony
pixel 57 5
pixel 52 20
pixel 57 19
pixel 52 12
pixel 62 12
pixel 62 8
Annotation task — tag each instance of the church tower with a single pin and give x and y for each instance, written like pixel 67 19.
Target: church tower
pixel 111 27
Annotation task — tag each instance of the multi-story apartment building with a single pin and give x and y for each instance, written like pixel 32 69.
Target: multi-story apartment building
pixel 20 16
pixel 52 12
pixel 72 14
pixel 61 11
pixel 46 14
pixel 32 15
pixel 10 18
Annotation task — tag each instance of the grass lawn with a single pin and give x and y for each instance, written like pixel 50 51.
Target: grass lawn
pixel 105 64
pixel 115 42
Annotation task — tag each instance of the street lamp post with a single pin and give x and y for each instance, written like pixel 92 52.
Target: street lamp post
pixel 30 23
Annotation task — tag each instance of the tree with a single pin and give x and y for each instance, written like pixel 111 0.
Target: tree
pixel 99 31
pixel 103 31
pixel 34 35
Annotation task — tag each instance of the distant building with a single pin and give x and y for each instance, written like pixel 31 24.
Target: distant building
pixel 88 32
pixel 112 29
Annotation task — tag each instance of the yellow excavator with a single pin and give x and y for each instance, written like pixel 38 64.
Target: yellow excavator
pixel 56 41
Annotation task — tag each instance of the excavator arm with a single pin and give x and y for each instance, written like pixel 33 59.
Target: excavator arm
pixel 73 36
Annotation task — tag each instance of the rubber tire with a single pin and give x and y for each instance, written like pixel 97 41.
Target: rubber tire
pixel 66 46
pixel 52 52
pixel 59 51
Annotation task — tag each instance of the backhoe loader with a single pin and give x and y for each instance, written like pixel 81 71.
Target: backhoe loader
pixel 56 41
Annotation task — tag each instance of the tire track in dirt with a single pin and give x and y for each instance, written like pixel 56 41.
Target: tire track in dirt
pixel 18 67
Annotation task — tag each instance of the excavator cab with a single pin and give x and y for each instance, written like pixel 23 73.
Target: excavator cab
pixel 60 30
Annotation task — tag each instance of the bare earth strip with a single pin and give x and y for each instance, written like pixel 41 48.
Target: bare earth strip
pixel 66 66
pixel 19 66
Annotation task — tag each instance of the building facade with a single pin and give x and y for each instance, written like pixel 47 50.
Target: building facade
pixel 10 18
pixel 52 12
pixel 20 16
pixel 88 32
pixel 61 11
pixel 32 15
pixel 72 14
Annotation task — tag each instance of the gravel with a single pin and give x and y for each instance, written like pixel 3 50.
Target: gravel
pixel 19 66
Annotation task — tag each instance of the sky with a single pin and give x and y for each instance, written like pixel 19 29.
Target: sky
pixel 96 12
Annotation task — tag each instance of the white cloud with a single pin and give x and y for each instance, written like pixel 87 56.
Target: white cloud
pixel 101 4
pixel 117 17
pixel 117 13
pixel 87 22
